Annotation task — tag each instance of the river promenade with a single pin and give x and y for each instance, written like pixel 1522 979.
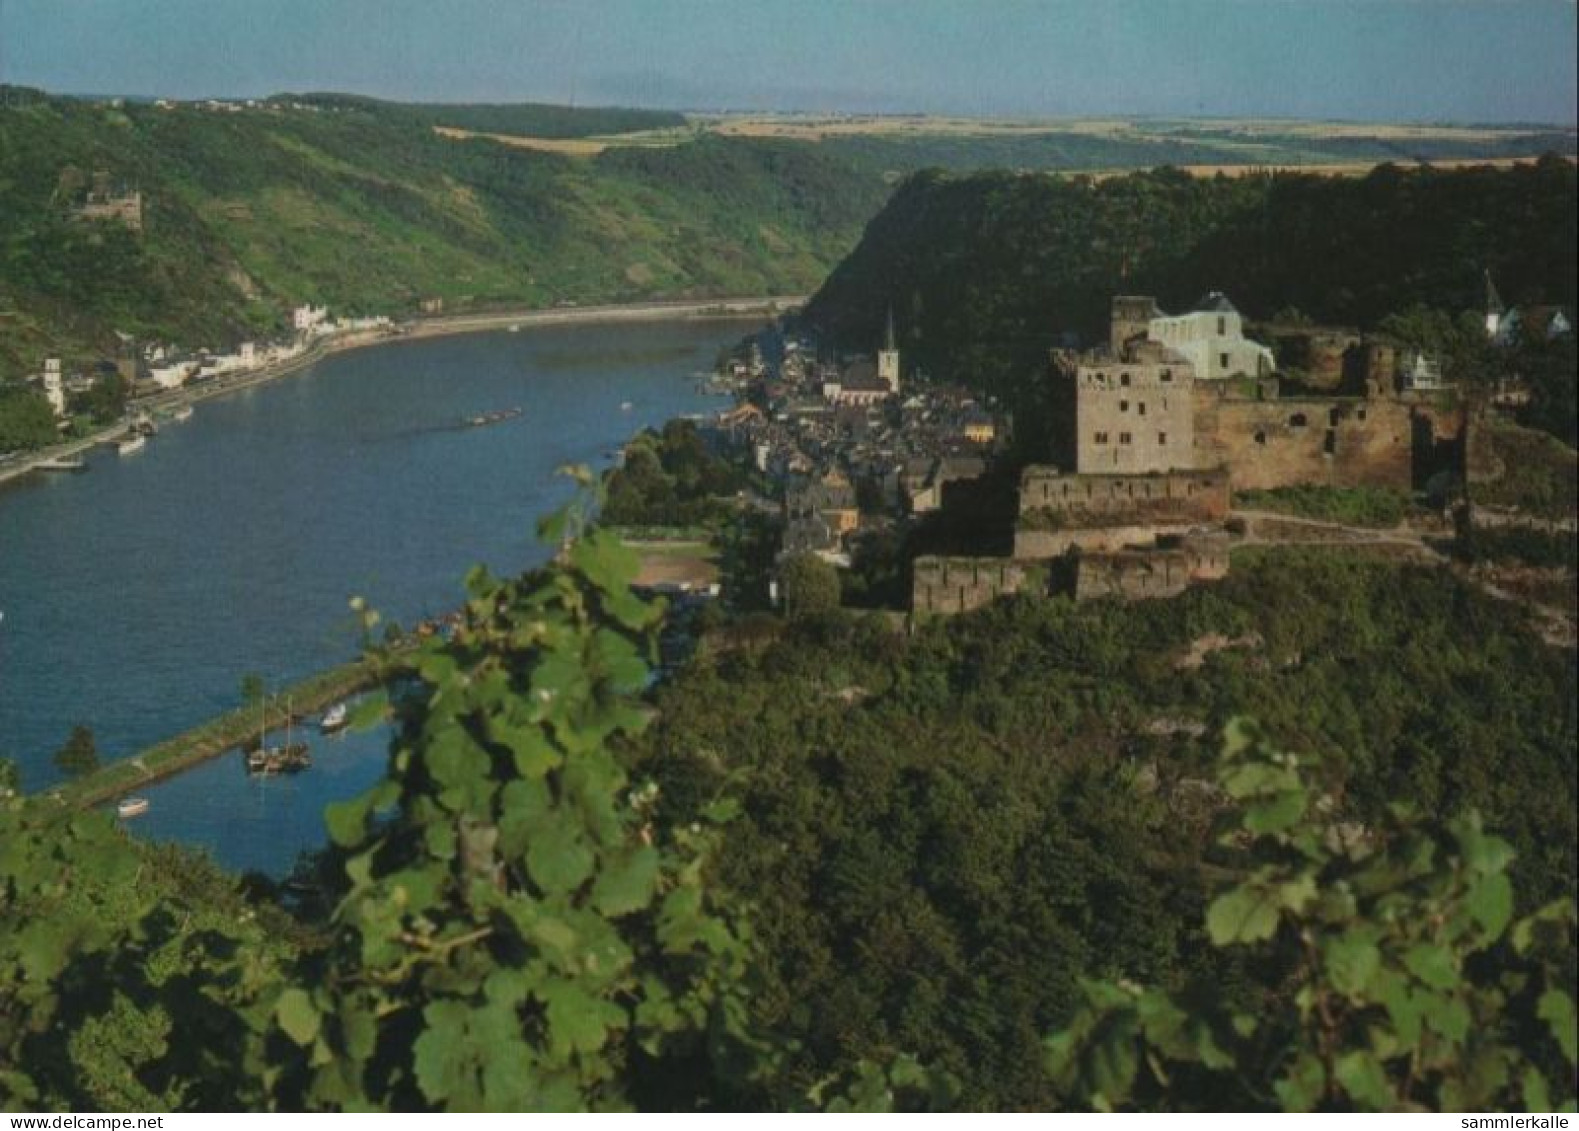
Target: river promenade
pixel 412 330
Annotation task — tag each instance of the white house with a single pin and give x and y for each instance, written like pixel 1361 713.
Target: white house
pixel 54 392
pixel 306 317
pixel 1212 336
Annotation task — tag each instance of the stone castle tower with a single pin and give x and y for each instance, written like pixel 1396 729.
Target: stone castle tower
pixel 888 358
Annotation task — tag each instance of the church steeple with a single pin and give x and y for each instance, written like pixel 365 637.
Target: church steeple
pixel 888 357
pixel 1494 308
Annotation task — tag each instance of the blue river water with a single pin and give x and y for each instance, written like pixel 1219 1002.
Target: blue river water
pixel 137 596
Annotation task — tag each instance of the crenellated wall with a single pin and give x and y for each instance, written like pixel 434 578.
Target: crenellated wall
pixel 957 585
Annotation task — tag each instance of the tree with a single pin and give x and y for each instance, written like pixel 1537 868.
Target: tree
pixel 253 688
pixel 78 756
pixel 811 586
pixel 1396 975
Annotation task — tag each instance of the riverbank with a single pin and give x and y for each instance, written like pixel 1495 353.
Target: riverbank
pixel 416 329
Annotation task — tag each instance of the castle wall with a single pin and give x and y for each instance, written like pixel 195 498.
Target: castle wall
pixel 1033 544
pixel 1176 496
pixel 1292 441
pixel 957 585
pixel 1166 571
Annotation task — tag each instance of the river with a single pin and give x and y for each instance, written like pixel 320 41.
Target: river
pixel 136 597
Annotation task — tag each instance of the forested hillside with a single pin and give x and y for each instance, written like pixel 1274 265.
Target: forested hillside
pixel 942 834
pixel 840 848
pixel 366 208
pixel 532 119
pixel 985 272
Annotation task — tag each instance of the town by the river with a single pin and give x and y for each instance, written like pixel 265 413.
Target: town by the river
pixel 137 597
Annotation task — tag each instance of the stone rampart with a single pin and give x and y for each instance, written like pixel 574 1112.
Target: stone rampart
pixel 1285 442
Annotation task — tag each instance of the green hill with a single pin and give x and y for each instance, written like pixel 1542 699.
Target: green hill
pixel 531 119
pixel 985 272
pixel 363 206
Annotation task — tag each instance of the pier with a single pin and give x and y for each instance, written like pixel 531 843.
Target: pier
pixel 211 739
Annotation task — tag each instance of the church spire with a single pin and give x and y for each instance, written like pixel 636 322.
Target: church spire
pixel 1493 299
pixel 888 357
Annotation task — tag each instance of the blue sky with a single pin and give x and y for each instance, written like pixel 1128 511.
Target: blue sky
pixel 1418 60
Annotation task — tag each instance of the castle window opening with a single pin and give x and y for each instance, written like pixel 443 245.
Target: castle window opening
pixel 1100 438
pixel 1297 420
pixel 1167 376
pixel 1123 437
pixel 1162 437
pixel 1260 437
pixel 1332 418
pixel 1140 407
pixel 1123 379
pixel 1222 327
pixel 1360 414
pixel 1330 445
pixel 1222 360
pixel 1123 406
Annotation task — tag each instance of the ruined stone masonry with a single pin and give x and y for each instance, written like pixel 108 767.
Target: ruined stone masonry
pixel 1161 425
pixel 1109 512
pixel 958 585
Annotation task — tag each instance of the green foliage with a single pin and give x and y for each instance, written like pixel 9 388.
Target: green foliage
pixel 1402 980
pixel 669 478
pixel 130 975
pixel 1522 468
pixel 26 420
pixel 1518 545
pixel 1550 370
pixel 942 834
pixel 1351 506
pixel 79 755
pixel 810 586
pixel 104 402
pixel 521 929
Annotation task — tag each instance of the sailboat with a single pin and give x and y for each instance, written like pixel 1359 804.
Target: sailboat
pixel 265 760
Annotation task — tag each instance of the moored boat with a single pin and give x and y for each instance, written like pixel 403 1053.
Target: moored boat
pixel 265 760
pixel 135 442
pixel 61 464
pixel 335 718
pixel 131 807
pixel 495 417
pixel 182 413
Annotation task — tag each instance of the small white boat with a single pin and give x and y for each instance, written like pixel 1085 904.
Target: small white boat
pixel 515 327
pixel 128 807
pixel 626 406
pixel 133 443
pixel 335 718
pixel 182 413
pixel 60 464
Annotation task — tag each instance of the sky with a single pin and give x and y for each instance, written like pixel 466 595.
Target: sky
pixel 1368 60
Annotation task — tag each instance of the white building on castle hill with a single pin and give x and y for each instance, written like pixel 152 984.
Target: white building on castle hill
pixel 1212 336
